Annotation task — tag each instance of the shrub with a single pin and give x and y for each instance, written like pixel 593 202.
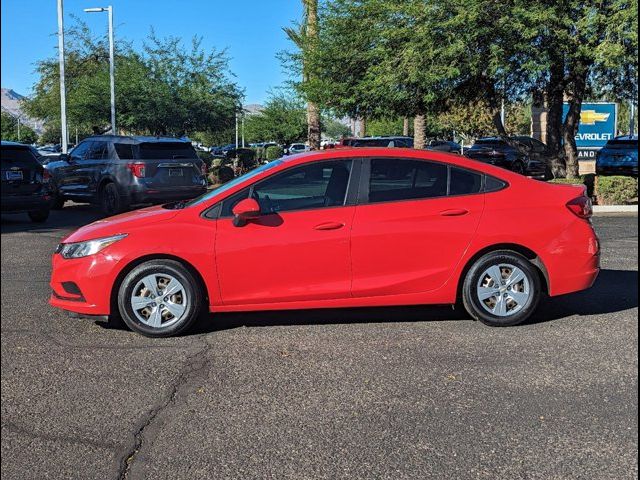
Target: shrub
pixel 220 174
pixel 274 152
pixel 588 180
pixel 206 157
pixel 616 190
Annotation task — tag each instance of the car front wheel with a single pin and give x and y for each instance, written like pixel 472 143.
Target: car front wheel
pixel 501 289
pixel 160 298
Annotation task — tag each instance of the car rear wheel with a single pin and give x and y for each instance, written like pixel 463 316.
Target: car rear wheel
pixel 58 202
pixel 501 289
pixel 39 216
pixel 111 202
pixel 160 298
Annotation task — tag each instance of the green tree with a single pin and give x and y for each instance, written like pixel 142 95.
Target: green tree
pixel 13 133
pixel 283 120
pixel 167 88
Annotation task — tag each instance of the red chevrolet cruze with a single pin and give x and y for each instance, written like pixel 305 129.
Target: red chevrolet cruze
pixel 345 228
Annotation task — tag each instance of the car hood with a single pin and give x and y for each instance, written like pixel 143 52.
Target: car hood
pixel 124 223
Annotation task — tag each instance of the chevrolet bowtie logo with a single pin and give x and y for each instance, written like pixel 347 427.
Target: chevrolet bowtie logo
pixel 590 117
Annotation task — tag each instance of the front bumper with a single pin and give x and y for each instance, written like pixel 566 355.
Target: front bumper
pixel 83 285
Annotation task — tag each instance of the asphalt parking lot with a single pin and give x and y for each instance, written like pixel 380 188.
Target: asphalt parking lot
pixel 370 393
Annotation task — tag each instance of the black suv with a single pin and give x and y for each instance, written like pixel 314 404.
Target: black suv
pixel 524 155
pixel 117 172
pixel 25 182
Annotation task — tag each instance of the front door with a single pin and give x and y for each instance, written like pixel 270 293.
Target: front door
pixel 413 225
pixel 298 249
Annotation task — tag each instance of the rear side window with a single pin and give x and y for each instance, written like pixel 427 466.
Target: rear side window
pixel 464 182
pixel 393 179
pixel 124 151
pixel 492 184
pixel 18 157
pixel 167 151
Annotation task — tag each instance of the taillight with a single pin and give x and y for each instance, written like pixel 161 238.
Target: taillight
pixel 204 169
pixel 46 176
pixel 581 207
pixel 138 169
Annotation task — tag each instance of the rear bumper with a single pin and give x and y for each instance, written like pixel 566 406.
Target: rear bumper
pixel 163 195
pixel 25 203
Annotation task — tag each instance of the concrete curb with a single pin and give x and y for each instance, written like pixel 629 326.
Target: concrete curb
pixel 615 209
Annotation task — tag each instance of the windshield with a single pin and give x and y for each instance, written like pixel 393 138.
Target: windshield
pixel 236 181
pixel 623 144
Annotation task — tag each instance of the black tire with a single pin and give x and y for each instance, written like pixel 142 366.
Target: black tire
pixel 39 216
pixel 58 202
pixel 193 298
pixel 472 302
pixel 111 202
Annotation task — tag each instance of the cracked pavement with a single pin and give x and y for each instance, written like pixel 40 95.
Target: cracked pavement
pixel 419 392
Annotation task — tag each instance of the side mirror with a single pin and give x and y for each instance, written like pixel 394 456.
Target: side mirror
pixel 64 157
pixel 244 211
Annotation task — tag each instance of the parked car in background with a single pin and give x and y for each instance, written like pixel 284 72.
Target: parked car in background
pixel 377 142
pixel 25 182
pixel 523 155
pixel 619 157
pixel 299 233
pixel 297 148
pixel 445 146
pixel 118 171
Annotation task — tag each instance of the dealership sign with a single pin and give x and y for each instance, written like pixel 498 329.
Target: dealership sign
pixel 598 123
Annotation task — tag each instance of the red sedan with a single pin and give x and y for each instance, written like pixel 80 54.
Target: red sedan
pixel 345 228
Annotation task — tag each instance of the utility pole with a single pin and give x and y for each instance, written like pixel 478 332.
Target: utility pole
pixel 63 90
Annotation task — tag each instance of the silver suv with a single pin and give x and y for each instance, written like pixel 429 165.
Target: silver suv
pixel 117 172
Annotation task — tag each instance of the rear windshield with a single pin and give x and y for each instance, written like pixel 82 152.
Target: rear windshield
pixel 162 151
pixel 17 157
pixel 623 144
pixel 491 143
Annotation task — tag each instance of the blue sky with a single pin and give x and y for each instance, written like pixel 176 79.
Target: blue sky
pixel 250 30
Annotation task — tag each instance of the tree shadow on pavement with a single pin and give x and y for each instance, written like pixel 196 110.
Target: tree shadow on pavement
pixel 69 218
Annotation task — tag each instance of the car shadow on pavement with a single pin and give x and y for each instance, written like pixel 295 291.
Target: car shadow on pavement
pixel 69 218
pixel 614 291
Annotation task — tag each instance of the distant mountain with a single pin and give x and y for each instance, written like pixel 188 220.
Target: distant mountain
pixel 10 103
pixel 253 108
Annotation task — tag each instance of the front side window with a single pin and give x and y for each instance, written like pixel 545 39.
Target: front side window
pixel 98 151
pixel 394 179
pixel 311 186
pixel 80 152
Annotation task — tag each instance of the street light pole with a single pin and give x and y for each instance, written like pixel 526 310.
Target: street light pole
pixel 63 90
pixel 242 129
pixel 112 66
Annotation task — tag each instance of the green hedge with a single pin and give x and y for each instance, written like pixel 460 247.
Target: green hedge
pixel 616 190
pixel 588 180
pixel 274 153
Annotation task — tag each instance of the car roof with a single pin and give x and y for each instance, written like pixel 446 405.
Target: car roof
pixel 135 140
pixel 6 143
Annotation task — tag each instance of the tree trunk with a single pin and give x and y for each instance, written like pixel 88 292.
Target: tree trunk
pixel 363 127
pixel 419 139
pixel 496 116
pixel 405 126
pixel 554 100
pixel 313 112
pixel 577 82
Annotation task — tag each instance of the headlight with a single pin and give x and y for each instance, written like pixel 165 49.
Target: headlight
pixel 90 247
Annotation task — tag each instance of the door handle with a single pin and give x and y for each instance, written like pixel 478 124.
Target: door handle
pixel 454 213
pixel 329 226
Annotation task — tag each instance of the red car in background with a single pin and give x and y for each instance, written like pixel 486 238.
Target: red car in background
pixel 342 228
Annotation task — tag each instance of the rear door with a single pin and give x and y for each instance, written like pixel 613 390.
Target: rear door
pixel 21 172
pixel 414 221
pixel 66 173
pixel 170 165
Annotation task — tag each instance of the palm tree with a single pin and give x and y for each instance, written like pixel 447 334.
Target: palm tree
pixel 304 37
